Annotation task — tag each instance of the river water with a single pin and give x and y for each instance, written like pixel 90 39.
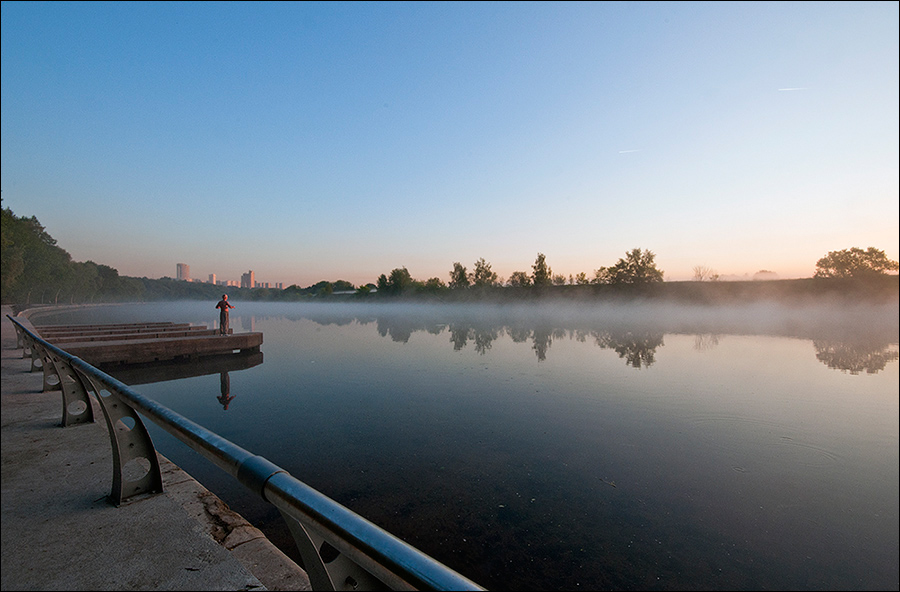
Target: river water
pixel 562 447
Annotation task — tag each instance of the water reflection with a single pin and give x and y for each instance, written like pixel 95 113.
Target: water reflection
pixel 225 388
pixel 854 339
pixel 636 343
pixel 638 349
pixel 705 341
pixel 136 374
pixel 855 357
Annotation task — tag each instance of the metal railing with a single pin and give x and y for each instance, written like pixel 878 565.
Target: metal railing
pixel 340 549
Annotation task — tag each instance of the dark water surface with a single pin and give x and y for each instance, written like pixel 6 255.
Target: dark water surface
pixel 558 448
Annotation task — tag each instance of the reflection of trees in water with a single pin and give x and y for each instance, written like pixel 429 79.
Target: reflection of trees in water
pixel 580 335
pixel 633 340
pixel 459 335
pixel 541 340
pixel 705 341
pixel 484 339
pixel 518 334
pixel 871 357
pixel 399 330
pixel 638 348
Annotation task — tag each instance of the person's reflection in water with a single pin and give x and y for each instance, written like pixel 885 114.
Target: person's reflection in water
pixel 225 384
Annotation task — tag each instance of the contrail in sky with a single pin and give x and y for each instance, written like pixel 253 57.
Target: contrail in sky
pixel 795 88
pixel 627 151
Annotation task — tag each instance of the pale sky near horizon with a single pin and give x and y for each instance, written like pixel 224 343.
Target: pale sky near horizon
pixel 325 141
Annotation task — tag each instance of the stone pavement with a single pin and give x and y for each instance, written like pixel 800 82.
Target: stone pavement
pixel 60 533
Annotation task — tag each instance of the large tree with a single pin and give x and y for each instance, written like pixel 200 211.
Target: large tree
pixel 35 268
pixel 542 275
pixel 483 277
pixel 399 281
pixel 459 279
pixel 637 267
pixel 854 263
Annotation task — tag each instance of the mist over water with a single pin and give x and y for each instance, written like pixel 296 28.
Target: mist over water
pixel 564 445
pixel 764 318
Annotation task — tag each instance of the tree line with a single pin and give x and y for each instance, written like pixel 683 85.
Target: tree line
pixel 637 267
pixel 37 270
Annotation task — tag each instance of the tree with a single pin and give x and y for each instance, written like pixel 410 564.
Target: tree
pixel 601 276
pixel 636 268
pixel 542 273
pixel 33 266
pixel 854 263
pixel 382 284
pixel 703 273
pixel 322 288
pixel 483 277
pixel 399 281
pixel 12 255
pixel 581 279
pixel 519 279
pixel 433 286
pixel 459 279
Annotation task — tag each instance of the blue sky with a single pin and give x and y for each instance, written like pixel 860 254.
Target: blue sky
pixel 311 141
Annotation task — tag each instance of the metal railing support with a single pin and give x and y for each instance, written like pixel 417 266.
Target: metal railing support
pixel 32 352
pixel 41 354
pixel 136 468
pixel 20 338
pixel 77 408
pixel 325 566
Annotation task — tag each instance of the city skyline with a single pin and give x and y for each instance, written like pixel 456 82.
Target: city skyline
pixel 340 141
pixel 248 279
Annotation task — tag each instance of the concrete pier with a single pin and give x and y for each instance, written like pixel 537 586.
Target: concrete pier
pixel 60 533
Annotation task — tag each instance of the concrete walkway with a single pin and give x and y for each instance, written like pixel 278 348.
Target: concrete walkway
pixel 59 532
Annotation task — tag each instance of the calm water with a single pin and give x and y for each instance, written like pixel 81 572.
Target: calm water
pixel 562 448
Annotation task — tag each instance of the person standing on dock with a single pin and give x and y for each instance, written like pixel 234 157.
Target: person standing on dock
pixel 223 307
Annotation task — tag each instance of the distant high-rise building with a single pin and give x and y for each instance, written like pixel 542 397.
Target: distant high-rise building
pixel 183 272
pixel 247 280
pixel 212 279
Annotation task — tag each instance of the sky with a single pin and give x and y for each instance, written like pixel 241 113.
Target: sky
pixel 339 141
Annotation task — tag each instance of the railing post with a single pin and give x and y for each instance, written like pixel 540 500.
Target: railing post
pixel 40 360
pixel 327 566
pixel 136 469
pixel 77 408
pixel 20 336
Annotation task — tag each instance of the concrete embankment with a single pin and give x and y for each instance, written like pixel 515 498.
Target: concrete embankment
pixel 60 533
